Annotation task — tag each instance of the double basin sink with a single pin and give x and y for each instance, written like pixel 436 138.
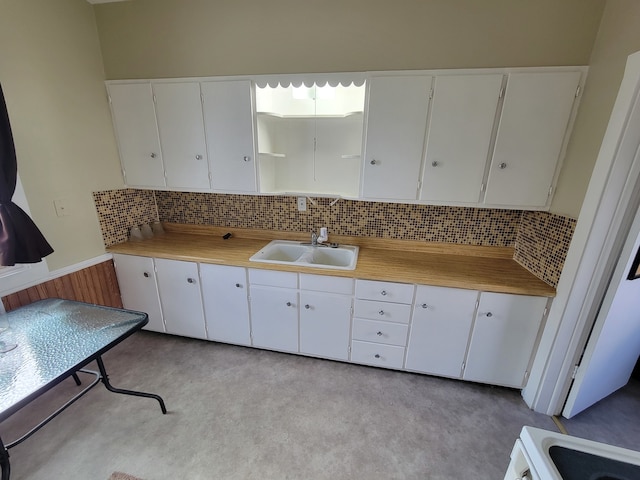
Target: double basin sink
pixel 285 252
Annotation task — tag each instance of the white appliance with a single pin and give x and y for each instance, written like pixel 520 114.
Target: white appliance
pixel 542 455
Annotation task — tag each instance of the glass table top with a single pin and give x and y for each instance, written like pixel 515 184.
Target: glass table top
pixel 54 336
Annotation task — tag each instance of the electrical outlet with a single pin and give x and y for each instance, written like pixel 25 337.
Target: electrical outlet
pixel 302 204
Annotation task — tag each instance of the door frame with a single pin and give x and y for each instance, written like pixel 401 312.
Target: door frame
pixel 612 198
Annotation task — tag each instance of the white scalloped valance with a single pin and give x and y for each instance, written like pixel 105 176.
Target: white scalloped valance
pixel 311 79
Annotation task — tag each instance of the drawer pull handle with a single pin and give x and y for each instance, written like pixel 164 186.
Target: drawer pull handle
pixel 198 157
pixel 377 355
pixel 307 306
pixel 238 285
pixel 424 305
pixel 489 314
pixel 146 274
pixel 191 280
pixel 288 304
pixel 381 312
pixel 246 158
pixel 379 334
pixel 383 293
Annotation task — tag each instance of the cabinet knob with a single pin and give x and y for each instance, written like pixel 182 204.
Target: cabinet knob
pixel 288 304
pixel 377 355
pixel 198 157
pixel 146 274
pixel 153 155
pixel 191 280
pixel 502 166
pixel 381 312
pixel 489 314
pixel 383 293
pixel 307 306
pixel 379 334
pixel 246 158
pixel 238 285
pixel 434 163
pixel 373 162
pixel 424 305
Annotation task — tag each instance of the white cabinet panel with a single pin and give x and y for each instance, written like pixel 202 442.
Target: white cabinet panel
pixel 138 288
pixel 228 119
pixel 535 116
pixel 380 332
pixel 463 113
pixel 440 329
pixel 180 297
pixel 327 284
pixel 134 121
pixel 179 113
pixel 324 325
pixel 377 354
pixel 384 291
pixel 226 303
pixel 504 335
pixel 274 318
pixel 386 311
pixel 273 278
pixel 396 126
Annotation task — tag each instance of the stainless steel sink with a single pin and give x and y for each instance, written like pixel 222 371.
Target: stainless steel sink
pixel 285 252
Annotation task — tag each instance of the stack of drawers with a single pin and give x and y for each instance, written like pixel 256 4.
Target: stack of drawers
pixel 381 323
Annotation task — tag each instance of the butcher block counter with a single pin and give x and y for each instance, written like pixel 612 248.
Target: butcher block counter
pixel 488 269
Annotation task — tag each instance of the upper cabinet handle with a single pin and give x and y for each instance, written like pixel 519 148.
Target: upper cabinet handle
pixel 373 162
pixel 246 158
pixel 191 280
pixel 434 163
pixel 502 166
pixel 198 157
pixel 153 155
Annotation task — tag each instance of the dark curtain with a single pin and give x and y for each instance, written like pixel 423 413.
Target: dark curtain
pixel 20 240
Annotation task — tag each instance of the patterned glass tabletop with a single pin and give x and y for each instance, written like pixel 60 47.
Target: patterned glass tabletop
pixel 55 337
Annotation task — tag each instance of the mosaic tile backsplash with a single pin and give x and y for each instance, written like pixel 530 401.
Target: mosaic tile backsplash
pixel 540 239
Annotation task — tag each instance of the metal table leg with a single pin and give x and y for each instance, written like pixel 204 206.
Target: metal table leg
pixel 4 461
pixel 105 380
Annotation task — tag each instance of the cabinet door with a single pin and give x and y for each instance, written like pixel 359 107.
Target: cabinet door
pixel 134 122
pixel 463 113
pixel 324 325
pixel 396 125
pixel 228 120
pixel 179 112
pixel 274 318
pixel 504 335
pixel 535 116
pixel 180 297
pixel 226 304
pixel 138 288
pixel 440 329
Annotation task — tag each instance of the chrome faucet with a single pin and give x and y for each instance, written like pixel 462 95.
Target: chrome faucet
pixel 314 239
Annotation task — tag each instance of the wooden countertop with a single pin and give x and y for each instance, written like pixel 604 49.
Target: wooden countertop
pixel 488 269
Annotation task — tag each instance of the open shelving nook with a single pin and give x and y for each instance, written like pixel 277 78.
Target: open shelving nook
pixel 310 137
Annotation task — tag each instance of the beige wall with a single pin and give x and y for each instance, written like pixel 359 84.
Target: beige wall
pixel 52 76
pixel 173 38
pixel 619 36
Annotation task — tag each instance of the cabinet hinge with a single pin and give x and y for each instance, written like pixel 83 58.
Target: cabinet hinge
pixel 550 190
pixel 463 367
pixel 154 98
pixel 202 98
pixel 164 172
pixel 482 187
pixel 109 98
pixel 419 184
pixel 544 314
pixel 477 304
pixel 351 310
pixel 431 94
pixel 578 89
pixel 575 371
pixel 501 94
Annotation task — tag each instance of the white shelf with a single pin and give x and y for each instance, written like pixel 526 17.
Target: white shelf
pixel 357 155
pixel 273 155
pixel 279 115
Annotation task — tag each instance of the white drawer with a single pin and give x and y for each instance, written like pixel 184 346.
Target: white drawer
pixel 380 332
pixel 388 312
pixel 324 283
pixel 377 354
pixel 273 278
pixel 385 291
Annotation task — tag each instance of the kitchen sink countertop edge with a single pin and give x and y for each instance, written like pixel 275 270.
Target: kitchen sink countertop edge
pixel 488 269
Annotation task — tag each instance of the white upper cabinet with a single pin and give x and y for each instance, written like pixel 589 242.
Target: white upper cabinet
pixel 396 125
pixel 179 114
pixel 228 120
pixel 535 115
pixel 134 121
pixel 463 113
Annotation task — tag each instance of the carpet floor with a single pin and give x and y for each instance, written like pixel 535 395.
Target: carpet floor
pixel 242 413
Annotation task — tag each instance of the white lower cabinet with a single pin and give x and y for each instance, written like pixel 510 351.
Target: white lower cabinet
pixel 138 288
pixel 440 329
pixel 504 335
pixel 274 318
pixel 325 324
pixel 180 296
pixel 226 303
